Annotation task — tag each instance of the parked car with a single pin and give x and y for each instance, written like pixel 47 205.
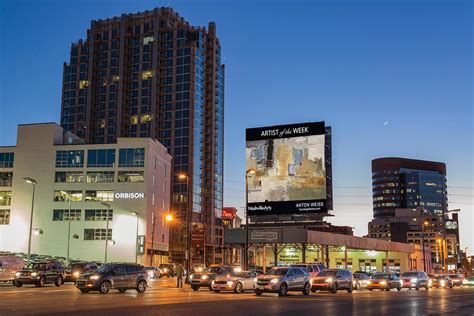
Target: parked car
pixel 120 276
pixel 457 279
pixel 153 272
pixel 360 280
pixel 237 282
pixel 9 265
pixel 384 281
pixel 312 268
pixel 415 279
pixel 442 281
pixel 166 269
pixel 41 273
pixel 333 280
pixel 74 270
pixel 204 279
pixel 282 280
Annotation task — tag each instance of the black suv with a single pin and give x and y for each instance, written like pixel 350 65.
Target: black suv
pixel 74 270
pixel 41 273
pixel 120 276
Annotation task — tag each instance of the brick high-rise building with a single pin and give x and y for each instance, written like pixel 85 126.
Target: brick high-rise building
pixel 152 74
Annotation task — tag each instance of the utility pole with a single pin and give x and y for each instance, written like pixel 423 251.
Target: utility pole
pixel 152 238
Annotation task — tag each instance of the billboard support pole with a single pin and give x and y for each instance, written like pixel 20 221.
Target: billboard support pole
pixel 246 252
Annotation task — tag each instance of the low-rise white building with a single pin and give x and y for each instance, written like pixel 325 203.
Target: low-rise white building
pixel 78 186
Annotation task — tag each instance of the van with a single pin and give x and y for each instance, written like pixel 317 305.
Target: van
pixel 9 265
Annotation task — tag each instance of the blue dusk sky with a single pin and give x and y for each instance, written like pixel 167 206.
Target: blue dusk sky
pixel 392 78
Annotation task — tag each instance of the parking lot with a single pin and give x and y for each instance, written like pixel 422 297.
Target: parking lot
pixel 162 297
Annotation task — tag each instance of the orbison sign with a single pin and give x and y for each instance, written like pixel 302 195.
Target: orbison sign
pixel 129 195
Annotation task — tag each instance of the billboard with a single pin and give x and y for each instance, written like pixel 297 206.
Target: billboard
pixel 290 169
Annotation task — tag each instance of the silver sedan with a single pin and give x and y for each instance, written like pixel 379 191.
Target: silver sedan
pixel 237 282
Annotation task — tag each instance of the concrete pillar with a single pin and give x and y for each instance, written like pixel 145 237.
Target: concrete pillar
pixel 386 262
pixel 303 252
pixel 275 253
pixel 321 247
pixel 345 257
pixel 327 256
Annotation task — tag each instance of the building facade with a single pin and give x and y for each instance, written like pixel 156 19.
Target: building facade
pixel 84 195
pixel 408 183
pixel 152 74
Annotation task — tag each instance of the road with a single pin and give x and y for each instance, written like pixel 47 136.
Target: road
pixel 162 298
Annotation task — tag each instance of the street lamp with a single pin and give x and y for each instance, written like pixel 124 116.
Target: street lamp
pixel 33 183
pixel 136 237
pixel 189 215
pixel 68 224
pixel 425 223
pixel 246 251
pixel 106 230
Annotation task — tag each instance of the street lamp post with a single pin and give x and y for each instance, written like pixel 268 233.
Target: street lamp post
pixel 189 215
pixel 33 183
pixel 423 243
pixel 246 250
pixel 106 230
pixel 69 230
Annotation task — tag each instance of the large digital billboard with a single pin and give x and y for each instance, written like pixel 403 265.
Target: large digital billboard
pixel 290 169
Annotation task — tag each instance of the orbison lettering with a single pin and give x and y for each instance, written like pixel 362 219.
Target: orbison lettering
pixel 129 195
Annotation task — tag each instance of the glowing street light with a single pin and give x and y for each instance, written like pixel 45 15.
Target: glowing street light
pixel 33 183
pixel 169 217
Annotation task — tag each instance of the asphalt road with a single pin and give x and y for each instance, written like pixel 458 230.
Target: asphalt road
pixel 162 298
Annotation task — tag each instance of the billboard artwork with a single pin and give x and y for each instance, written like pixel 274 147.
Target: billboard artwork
pixel 290 172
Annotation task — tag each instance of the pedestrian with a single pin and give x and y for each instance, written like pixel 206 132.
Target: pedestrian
pixel 179 276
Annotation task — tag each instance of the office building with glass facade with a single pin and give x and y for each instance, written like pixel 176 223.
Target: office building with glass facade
pixel 84 195
pixel 152 74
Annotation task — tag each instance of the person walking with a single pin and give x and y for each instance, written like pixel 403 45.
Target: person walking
pixel 179 276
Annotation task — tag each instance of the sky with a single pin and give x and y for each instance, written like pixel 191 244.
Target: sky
pixel 392 78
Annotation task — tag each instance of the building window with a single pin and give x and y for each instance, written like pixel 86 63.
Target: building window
pixel 5 198
pixel 147 118
pixel 63 215
pixel 69 177
pixel 83 84
pixel 100 176
pixel 148 39
pixel 6 160
pixel 6 179
pixel 70 158
pixel 99 196
pixel 134 120
pixel 67 195
pixel 131 176
pixel 132 157
pixel 98 215
pixel 4 217
pixel 148 74
pixel 100 157
pixel 97 234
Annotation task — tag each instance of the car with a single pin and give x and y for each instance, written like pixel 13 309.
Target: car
pixel 74 270
pixel 120 276
pixel 166 269
pixel 469 281
pixel 204 279
pixel 415 280
pixel 384 281
pixel 442 281
pixel 238 282
pixel 333 280
pixel 41 273
pixel 153 272
pixel 360 280
pixel 9 265
pixel 457 279
pixel 312 268
pixel 282 280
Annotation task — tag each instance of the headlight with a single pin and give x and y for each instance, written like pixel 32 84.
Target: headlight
pixel 369 282
pixel 442 282
pixel 464 281
pixel 238 269
pixel 191 276
pixel 34 274
pixel 328 280
pixel 165 269
pixel 230 283
pixel 274 281
pixel 18 274
pixel 383 282
pixel 430 282
pixel 76 274
pixel 212 282
pixel 204 277
pixel 94 277
pixel 413 280
pixel 255 280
